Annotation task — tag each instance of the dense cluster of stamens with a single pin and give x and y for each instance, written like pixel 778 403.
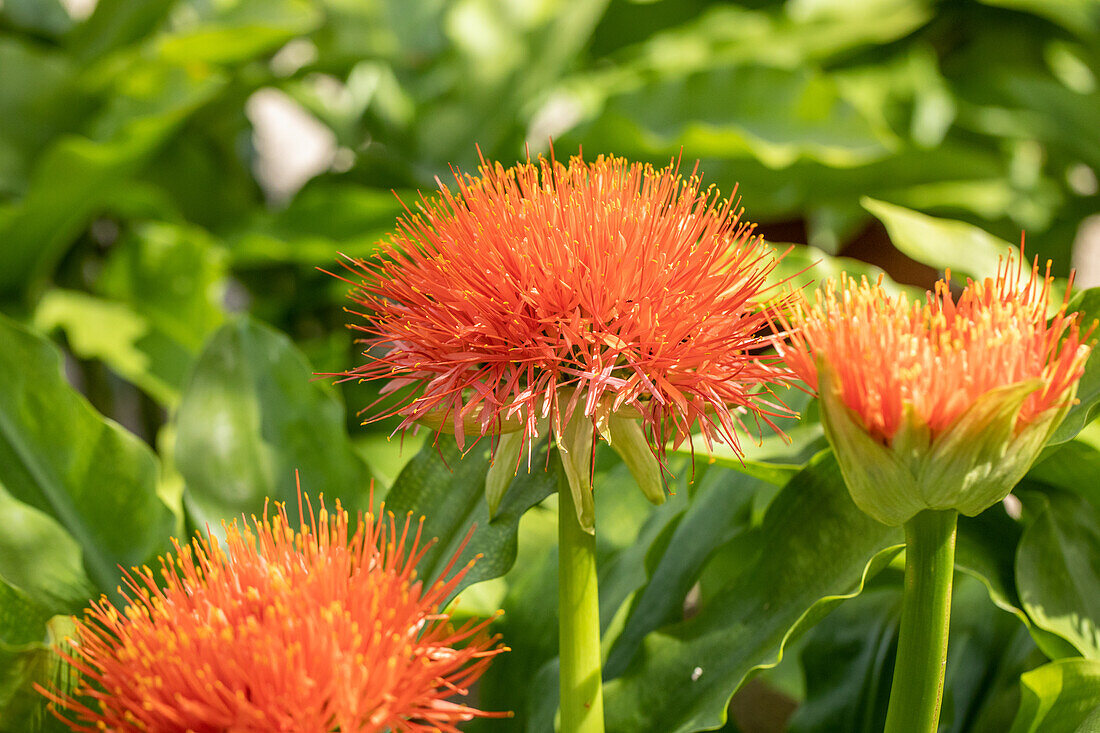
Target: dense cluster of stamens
pixel 620 285
pixel 936 358
pixel 280 630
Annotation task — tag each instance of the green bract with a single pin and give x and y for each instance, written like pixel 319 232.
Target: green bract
pixel 969 467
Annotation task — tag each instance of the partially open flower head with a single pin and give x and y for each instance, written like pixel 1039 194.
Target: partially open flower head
pixel 279 630
pixel 616 293
pixel 943 404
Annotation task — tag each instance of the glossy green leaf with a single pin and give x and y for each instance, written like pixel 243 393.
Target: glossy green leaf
pixel 820 549
pixel 59 457
pixel 249 417
pixel 174 275
pixel 1058 697
pixel 101 329
pixel 941 243
pixel 40 558
pixel 447 488
pixel 985 548
pixel 1058 571
pixel 847 662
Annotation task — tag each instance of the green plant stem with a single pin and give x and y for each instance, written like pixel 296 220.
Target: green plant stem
pixel 917 690
pixel 578 622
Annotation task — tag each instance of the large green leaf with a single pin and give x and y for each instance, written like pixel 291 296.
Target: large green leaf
pixel 249 417
pixel 941 243
pixel 86 474
pixel 819 549
pixel 40 557
pixel 1058 570
pixel 1058 697
pixel 447 488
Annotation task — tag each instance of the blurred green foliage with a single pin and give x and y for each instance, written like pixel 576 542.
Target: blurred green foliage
pixel 172 173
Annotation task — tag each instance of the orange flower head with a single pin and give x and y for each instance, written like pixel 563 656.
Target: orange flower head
pixel 279 630
pixel 987 375
pixel 604 288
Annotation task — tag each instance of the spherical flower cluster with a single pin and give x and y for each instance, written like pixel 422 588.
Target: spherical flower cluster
pixel 279 630
pixel 957 395
pixel 546 288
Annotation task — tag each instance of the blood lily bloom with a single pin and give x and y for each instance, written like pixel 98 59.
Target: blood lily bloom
pixel 280 630
pixel 933 409
pixel 938 405
pixel 573 300
pixel 613 291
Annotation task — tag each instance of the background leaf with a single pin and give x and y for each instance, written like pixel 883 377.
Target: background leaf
pixel 447 488
pixel 1058 697
pixel 249 418
pixel 59 457
pixel 1058 570
pixel 685 674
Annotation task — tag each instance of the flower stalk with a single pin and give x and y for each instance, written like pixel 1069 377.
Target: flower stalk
pixel 578 621
pixel 917 690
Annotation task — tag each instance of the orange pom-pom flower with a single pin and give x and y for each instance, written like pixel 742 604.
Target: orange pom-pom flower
pixel 943 404
pixel 280 630
pixel 611 290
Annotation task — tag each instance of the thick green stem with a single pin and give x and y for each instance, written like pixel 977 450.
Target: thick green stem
pixel 578 622
pixel 917 691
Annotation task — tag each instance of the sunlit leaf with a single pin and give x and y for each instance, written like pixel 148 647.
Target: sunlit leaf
pixel 1058 697
pixel 78 471
pixel 941 243
pixel 447 488
pixel 1058 571
pixel 249 418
